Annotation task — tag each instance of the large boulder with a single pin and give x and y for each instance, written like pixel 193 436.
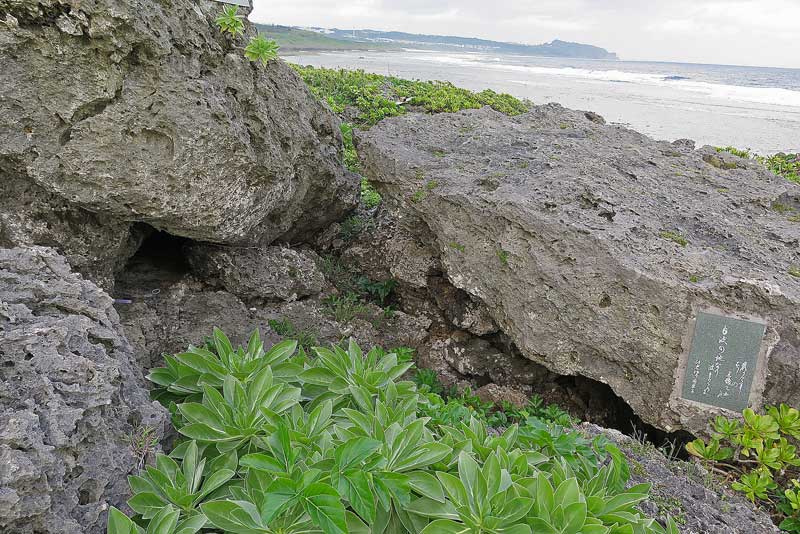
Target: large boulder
pixel 593 247
pixel 71 399
pixel 139 110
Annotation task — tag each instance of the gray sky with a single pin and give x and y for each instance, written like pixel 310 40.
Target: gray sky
pixel 742 32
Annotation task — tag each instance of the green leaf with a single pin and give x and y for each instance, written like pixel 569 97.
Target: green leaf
pixel 262 462
pixel 238 517
pixel 359 494
pixel 323 504
pixel 146 504
pixel 202 432
pixel 119 523
pixel 426 485
pixel 434 509
pixel 355 451
pixel 568 492
pixel 445 526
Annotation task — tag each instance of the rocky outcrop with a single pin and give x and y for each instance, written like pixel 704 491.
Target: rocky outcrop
pixel 71 399
pixel 114 112
pixel 269 273
pixel 592 247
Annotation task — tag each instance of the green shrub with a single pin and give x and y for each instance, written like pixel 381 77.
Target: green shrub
pixel 379 291
pixel 369 196
pixel 261 49
pixel 785 165
pixel 230 21
pixel 277 442
pixel 350 155
pixel 377 97
pixel 760 452
pixel 675 237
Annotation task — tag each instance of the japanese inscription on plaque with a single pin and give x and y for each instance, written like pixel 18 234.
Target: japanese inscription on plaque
pixel 722 361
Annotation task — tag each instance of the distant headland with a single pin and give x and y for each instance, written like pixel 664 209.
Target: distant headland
pixel 307 39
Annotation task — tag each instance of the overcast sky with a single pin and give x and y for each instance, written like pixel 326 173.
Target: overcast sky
pixel 740 32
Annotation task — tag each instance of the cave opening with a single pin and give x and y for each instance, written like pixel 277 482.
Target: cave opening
pixel 159 262
pixel 597 403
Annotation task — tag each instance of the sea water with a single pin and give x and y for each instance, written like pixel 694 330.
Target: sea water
pixel 746 107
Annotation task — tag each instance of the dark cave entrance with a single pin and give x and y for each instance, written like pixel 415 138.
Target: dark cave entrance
pixel 597 403
pixel 159 262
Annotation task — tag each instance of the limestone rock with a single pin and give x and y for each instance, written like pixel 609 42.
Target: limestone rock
pixel 271 273
pixel 138 110
pixel 499 394
pixel 572 238
pixel 71 399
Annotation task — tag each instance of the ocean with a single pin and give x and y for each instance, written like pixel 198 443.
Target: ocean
pixel 746 107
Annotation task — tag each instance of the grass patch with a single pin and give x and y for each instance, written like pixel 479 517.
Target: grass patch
pixel 675 237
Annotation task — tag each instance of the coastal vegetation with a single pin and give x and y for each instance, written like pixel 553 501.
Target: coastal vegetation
pixel 758 456
pixel 786 165
pixel 373 97
pixel 376 97
pixel 338 442
pixel 259 48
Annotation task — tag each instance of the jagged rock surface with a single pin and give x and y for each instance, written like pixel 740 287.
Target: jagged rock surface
pixel 556 224
pixel 270 273
pixel 138 110
pixel 71 398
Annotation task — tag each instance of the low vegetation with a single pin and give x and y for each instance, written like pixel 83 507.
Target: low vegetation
pixel 277 441
pixel 374 97
pixel 758 456
pixel 786 165
pixel 259 48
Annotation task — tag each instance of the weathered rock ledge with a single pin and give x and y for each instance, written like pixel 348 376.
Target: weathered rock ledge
pixel 139 111
pixel 571 233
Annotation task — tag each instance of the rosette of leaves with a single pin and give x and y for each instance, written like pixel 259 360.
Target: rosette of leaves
pixel 760 453
pixel 188 372
pixel 261 49
pixel 229 21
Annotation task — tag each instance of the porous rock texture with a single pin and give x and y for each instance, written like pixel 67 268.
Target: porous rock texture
pixel 71 398
pixel 562 228
pixel 138 110
pixel 269 273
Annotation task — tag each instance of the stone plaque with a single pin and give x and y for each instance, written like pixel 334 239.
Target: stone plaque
pixel 722 361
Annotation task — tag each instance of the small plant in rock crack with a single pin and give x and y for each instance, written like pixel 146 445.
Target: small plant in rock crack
pixel 760 453
pixel 503 255
pixel 230 21
pixel 351 227
pixel 285 328
pixel 345 308
pixel 428 381
pixel 379 291
pixel 261 49
pixel 144 441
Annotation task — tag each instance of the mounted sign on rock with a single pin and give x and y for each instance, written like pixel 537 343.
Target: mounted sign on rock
pixel 724 362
